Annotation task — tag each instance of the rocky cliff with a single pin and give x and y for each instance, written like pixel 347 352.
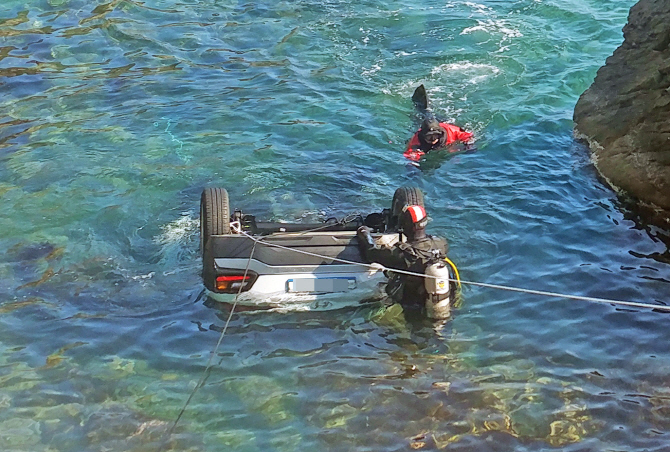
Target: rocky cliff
pixel 625 114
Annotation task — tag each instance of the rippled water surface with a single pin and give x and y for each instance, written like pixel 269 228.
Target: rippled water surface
pixel 116 115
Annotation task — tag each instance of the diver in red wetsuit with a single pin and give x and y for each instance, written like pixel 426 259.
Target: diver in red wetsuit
pixel 434 135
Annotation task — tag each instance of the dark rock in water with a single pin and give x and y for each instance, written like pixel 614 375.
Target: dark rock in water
pixel 625 114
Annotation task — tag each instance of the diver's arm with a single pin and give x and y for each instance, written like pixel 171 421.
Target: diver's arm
pixel 372 252
pixel 414 143
pixel 413 151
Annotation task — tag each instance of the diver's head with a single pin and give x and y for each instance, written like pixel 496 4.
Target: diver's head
pixel 413 222
pixel 431 132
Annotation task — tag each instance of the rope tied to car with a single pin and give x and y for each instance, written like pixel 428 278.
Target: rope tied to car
pixel 379 267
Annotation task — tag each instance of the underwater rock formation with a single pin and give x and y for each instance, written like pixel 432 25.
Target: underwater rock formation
pixel 625 114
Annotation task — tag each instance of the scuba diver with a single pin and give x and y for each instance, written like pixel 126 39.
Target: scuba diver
pixel 433 134
pixel 419 254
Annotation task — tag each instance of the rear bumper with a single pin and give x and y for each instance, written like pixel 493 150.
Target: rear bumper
pixel 275 291
pixel 283 265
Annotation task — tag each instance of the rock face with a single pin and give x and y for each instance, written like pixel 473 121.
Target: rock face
pixel 625 114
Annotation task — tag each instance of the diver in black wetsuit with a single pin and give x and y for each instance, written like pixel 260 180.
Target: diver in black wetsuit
pixel 418 252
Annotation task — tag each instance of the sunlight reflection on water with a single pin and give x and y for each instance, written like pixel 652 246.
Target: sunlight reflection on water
pixel 117 114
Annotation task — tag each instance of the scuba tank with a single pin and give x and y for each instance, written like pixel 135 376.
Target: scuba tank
pixel 438 300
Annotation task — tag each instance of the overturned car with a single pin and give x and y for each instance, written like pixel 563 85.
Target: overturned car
pixel 302 266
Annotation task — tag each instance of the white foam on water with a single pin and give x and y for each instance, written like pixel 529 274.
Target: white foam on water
pixel 177 241
pixel 474 73
pixel 494 26
pixel 143 277
pixel 479 8
pixel 372 70
pixel 179 230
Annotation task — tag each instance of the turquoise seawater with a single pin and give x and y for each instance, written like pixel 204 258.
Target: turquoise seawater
pixel 114 116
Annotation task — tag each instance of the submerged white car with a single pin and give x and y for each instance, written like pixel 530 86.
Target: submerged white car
pixel 293 265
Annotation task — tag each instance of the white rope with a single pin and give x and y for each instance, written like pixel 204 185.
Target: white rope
pixel 571 297
pixel 380 267
pixel 206 372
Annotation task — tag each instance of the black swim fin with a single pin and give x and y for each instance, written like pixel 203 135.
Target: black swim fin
pixel 420 98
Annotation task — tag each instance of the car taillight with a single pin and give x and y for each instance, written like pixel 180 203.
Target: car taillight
pixel 232 283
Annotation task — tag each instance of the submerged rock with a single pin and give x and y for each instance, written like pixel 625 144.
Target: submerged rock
pixel 116 427
pixel 19 434
pixel 625 114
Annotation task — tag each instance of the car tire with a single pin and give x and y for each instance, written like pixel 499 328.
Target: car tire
pixel 214 214
pixel 404 196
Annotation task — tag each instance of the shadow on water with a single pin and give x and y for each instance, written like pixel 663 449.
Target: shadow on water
pixel 653 221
